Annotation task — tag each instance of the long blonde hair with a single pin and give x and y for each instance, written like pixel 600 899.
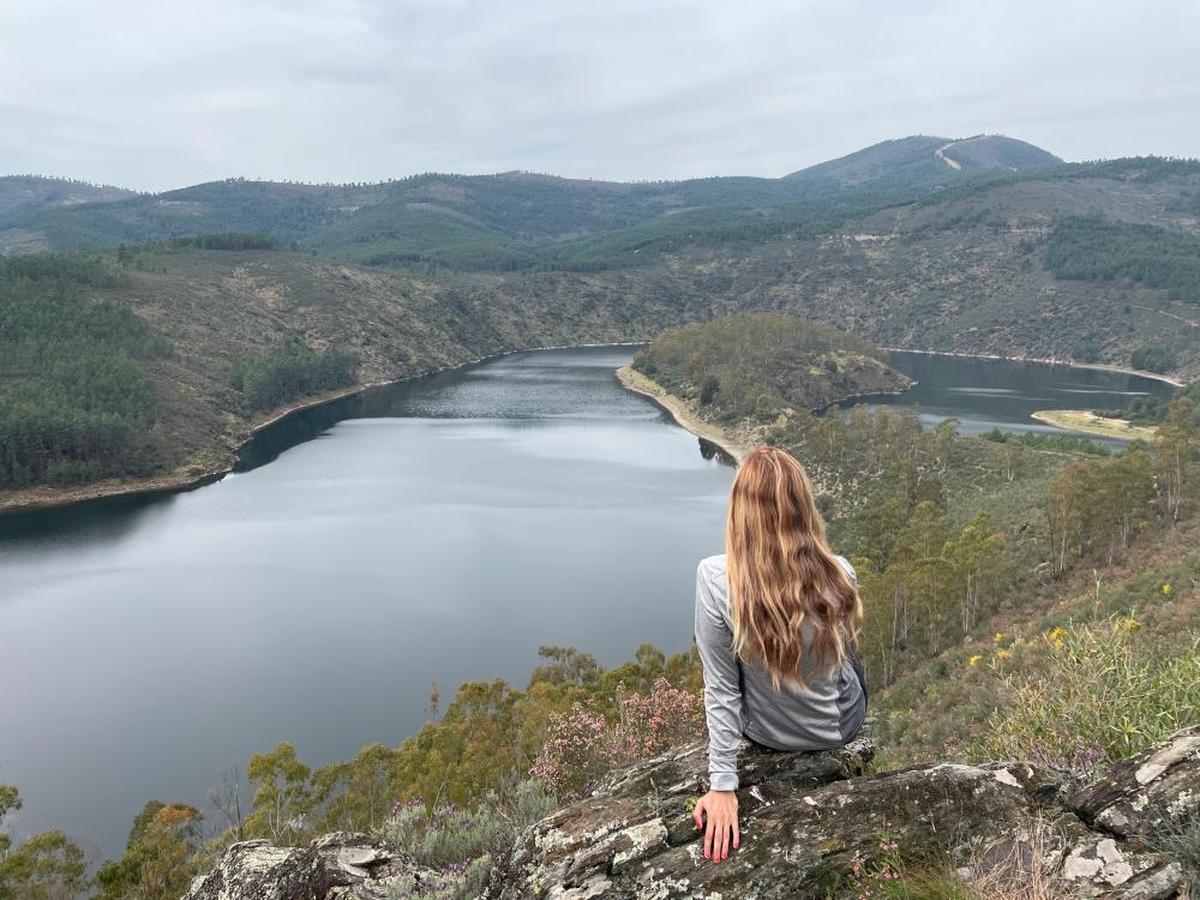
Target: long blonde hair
pixel 782 574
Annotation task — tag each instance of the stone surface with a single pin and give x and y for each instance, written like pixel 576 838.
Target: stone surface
pixel 807 820
pixel 338 866
pixel 1144 793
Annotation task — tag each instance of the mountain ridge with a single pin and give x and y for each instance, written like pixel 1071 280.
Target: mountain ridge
pixel 507 213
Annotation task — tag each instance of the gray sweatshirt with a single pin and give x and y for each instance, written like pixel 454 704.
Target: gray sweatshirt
pixel 740 698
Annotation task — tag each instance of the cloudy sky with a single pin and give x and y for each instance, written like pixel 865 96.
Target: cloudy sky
pixel 155 94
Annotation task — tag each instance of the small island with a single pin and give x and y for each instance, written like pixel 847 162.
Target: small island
pixel 1085 421
pixel 730 379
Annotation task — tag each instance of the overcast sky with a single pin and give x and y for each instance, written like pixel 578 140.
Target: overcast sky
pixel 154 94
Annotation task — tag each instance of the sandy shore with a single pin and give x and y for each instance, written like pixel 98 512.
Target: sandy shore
pixel 684 417
pixel 1084 421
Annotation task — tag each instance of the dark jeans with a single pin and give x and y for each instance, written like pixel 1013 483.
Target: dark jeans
pixel 856 664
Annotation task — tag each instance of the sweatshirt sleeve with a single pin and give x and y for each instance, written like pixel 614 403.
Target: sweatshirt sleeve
pixel 722 687
pixel 849 568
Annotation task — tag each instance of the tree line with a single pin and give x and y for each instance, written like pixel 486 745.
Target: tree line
pixel 75 401
pixel 291 371
pixel 1095 248
pixel 755 365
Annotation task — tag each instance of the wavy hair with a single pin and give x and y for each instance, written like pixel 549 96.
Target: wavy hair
pixel 795 610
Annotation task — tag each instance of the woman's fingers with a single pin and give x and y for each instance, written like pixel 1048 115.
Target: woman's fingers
pixel 720 824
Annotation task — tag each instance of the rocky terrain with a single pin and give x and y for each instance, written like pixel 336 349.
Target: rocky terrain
pixel 814 825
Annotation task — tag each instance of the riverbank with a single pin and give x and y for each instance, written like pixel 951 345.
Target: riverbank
pixel 199 473
pixel 1102 367
pixel 684 417
pixel 1084 421
pixel 187 477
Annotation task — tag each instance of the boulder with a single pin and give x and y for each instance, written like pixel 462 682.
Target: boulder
pixel 812 823
pixel 809 822
pixel 338 866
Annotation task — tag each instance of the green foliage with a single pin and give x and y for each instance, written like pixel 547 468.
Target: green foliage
pixel 1178 839
pixel 1152 410
pixel 10 801
pixel 283 797
pixel 62 268
pixel 293 370
pixel 931 587
pixel 75 402
pixel 356 794
pixel 226 241
pixel 1177 456
pixel 45 866
pixel 448 837
pixel 159 858
pixel 1094 508
pixel 1094 248
pixel 755 365
pixel 1100 697
pixel 1156 358
pixel 1066 443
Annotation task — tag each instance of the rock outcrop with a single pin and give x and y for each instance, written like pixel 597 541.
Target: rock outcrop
pixel 810 821
pixel 338 866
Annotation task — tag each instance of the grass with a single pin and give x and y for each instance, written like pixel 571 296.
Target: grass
pixel 1087 422
pixel 942 708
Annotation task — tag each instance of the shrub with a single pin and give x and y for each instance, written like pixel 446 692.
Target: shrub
pixel 583 745
pixel 1101 697
pixel 460 843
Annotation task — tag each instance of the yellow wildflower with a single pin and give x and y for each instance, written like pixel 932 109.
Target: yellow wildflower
pixel 1129 624
pixel 998 637
pixel 1002 655
pixel 974 660
pixel 1167 590
pixel 1055 636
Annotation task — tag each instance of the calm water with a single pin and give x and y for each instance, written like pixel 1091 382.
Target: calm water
pixel 438 530
pixel 984 394
pixel 148 645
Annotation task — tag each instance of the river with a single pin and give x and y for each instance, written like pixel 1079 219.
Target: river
pixel 437 530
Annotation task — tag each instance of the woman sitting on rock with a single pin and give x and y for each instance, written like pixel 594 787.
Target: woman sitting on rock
pixel 777 618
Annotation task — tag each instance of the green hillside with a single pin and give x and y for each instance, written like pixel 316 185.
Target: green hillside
pixel 24 195
pixel 921 159
pixel 502 221
pixel 1088 262
pixel 756 366
pixel 1010 253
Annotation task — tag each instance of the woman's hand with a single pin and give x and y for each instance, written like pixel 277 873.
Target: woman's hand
pixel 721 829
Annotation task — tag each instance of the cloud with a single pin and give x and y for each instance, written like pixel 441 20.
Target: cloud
pixel 160 93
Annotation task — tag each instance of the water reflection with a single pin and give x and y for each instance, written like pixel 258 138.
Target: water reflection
pixel 445 533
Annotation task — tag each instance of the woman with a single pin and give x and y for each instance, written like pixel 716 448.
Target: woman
pixel 777 619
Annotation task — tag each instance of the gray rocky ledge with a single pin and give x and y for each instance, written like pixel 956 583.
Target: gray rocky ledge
pixel 806 819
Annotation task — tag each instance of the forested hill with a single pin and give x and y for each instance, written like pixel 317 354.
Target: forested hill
pixel 981 245
pixel 757 366
pixel 921 158
pixel 263 295
pixel 513 219
pixel 26 196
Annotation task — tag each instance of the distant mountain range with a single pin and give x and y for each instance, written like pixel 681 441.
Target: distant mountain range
pixel 985 244
pixel 509 220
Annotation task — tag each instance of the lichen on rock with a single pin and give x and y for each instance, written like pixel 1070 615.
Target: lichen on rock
pixel 808 822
